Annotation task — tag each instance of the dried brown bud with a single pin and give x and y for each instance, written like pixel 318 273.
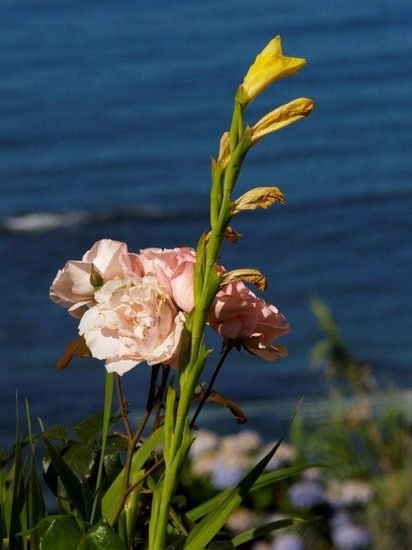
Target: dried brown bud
pixel 282 116
pixel 249 275
pixel 224 150
pixel 232 235
pixel 259 197
pixel 76 347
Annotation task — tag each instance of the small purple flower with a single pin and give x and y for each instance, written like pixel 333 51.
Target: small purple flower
pixel 339 519
pixel 288 542
pixel 349 536
pixel 225 475
pixel 306 494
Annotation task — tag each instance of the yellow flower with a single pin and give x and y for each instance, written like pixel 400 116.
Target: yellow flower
pixel 269 65
pixel 280 117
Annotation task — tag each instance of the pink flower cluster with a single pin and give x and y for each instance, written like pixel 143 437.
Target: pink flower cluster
pixel 132 306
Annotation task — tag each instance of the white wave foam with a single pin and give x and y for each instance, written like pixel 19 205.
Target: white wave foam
pixel 43 221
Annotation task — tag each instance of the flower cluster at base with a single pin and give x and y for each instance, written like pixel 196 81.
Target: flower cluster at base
pixel 132 306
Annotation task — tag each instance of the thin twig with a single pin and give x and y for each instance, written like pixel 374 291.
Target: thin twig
pixel 144 476
pixel 177 521
pixel 159 397
pixel 152 389
pixel 132 444
pixel 122 406
pixel 226 349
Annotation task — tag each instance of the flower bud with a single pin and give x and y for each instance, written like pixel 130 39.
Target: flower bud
pixel 232 235
pixel 96 280
pixel 259 197
pixel 249 275
pixel 280 117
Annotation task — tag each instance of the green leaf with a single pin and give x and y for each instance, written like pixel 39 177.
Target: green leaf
pixel 261 531
pixel 116 442
pixel 112 495
pixel 112 467
pixel 64 533
pixel 81 458
pixel 103 537
pixel 264 480
pixel 214 520
pixel 89 428
pixel 70 482
pixel 41 526
pixel 56 432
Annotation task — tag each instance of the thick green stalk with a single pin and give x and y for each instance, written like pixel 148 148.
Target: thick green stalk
pixel 169 482
pixel 178 438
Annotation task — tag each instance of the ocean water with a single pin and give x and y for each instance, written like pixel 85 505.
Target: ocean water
pixel 110 113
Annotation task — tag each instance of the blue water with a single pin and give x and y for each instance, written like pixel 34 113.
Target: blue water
pixel 110 112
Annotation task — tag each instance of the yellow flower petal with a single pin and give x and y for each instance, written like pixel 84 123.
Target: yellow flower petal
pixel 280 117
pixel 269 65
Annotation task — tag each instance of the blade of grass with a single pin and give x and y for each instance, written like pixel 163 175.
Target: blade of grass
pixel 35 503
pixel 17 499
pixel 213 521
pixel 264 480
pixel 68 478
pixel 261 531
pixel 108 397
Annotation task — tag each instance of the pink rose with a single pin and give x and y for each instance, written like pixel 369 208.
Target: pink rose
pixel 175 270
pixel 72 288
pixel 134 320
pixel 237 313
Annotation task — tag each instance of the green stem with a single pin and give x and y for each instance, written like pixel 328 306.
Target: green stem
pixel 208 278
pixel 108 397
pixel 236 127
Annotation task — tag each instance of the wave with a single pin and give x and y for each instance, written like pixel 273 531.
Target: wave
pixel 41 221
pixel 33 222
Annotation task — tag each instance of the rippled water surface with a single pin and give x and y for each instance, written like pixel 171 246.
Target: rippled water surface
pixel 110 113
